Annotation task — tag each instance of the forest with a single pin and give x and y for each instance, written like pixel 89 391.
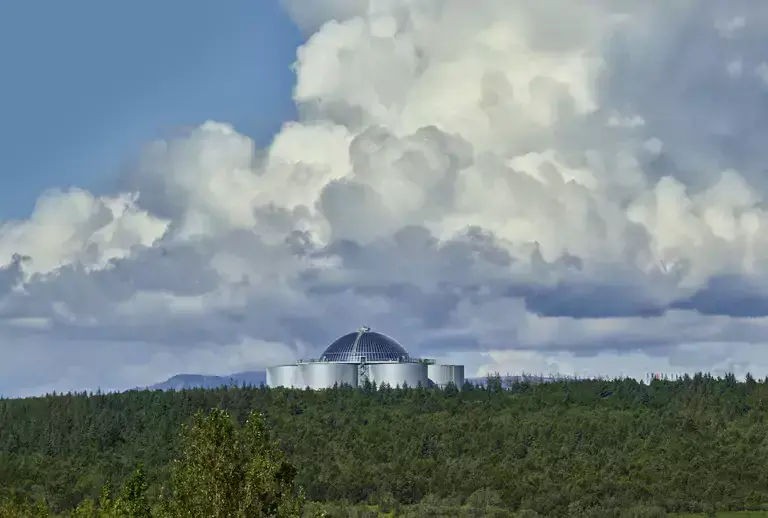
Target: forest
pixel 567 448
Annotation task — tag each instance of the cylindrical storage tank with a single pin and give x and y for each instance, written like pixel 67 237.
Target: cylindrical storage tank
pixel 397 374
pixel 442 375
pixel 283 376
pixel 320 375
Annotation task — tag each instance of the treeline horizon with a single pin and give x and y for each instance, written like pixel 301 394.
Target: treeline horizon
pixel 566 447
pixel 479 381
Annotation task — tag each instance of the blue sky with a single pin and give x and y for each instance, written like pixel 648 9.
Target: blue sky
pixel 85 84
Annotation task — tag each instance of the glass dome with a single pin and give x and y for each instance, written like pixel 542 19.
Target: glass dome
pixel 367 344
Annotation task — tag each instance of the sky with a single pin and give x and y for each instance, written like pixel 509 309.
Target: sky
pixel 517 186
pixel 86 84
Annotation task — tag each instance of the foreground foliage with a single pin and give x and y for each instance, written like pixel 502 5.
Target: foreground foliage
pixel 223 471
pixel 567 448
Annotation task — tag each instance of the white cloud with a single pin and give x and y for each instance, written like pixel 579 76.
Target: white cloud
pixel 521 186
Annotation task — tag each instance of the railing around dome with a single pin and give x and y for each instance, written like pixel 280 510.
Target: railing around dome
pixel 363 359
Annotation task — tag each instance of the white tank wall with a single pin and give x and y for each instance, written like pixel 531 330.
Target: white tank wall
pixel 283 376
pixel 442 375
pixel 395 374
pixel 326 375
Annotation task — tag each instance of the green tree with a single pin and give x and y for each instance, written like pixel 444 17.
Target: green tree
pixel 227 471
pixel 86 509
pixel 14 506
pixel 133 501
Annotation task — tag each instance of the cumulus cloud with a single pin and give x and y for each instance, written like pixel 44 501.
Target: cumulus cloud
pixel 519 186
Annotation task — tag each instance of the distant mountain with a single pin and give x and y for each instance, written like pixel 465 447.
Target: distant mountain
pixel 190 381
pixel 249 378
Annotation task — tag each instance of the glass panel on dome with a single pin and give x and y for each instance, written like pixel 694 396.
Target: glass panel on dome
pixel 371 345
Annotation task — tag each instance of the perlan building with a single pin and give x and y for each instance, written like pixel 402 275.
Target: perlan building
pixel 360 356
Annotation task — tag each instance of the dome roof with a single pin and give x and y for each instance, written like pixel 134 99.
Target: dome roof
pixel 367 344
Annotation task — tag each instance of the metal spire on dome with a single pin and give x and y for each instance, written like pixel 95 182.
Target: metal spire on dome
pixel 360 333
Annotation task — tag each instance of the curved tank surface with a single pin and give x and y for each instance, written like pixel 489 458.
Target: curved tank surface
pixel 320 375
pixel 367 344
pixel 283 376
pixel 397 374
pixel 442 375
